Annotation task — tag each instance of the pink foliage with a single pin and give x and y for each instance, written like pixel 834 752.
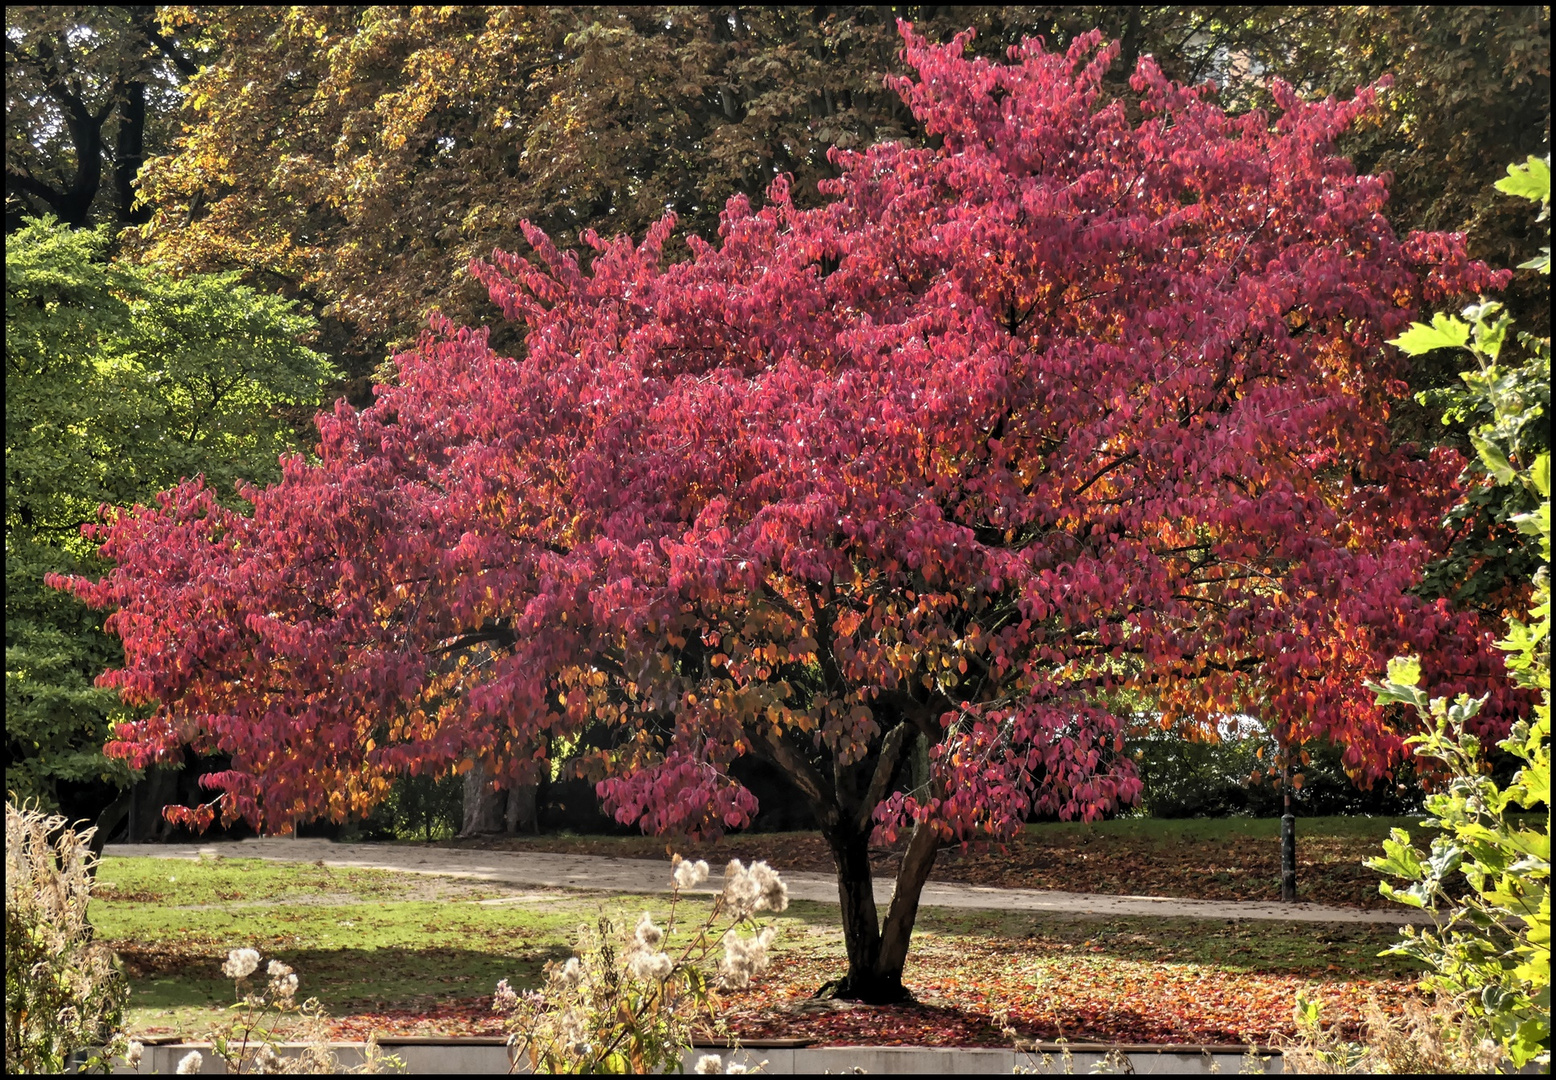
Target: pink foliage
pixel 1062 410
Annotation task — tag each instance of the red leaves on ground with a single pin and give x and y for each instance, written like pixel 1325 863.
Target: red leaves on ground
pixel 1330 869
pixel 1099 1000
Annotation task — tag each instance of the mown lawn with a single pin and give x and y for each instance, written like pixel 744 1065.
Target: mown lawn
pixel 1198 858
pixel 412 954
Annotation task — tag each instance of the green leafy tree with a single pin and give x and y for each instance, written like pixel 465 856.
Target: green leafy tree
pixel 1490 950
pixel 1501 408
pixel 120 381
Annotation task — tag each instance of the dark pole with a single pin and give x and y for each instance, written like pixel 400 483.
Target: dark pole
pixel 1288 836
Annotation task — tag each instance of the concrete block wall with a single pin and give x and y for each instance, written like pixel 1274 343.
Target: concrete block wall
pixel 485 1056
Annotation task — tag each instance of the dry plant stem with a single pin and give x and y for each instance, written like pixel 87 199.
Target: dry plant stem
pixel 64 991
pixel 630 1006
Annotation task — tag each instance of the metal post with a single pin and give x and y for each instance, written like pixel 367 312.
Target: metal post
pixel 1288 838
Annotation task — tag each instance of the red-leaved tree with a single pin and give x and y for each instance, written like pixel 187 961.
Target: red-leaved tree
pixel 1064 409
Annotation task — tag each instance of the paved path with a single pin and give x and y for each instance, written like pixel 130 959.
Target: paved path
pixel 532 869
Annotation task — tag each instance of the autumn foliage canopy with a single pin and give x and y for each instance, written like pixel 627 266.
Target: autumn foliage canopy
pixel 1069 411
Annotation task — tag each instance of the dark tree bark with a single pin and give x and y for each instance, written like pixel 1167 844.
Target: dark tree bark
pixel 1288 837
pixel 72 201
pixel 69 188
pixel 877 950
pixel 130 154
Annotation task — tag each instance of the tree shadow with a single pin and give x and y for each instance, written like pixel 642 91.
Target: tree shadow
pixel 1332 951
pixel 343 980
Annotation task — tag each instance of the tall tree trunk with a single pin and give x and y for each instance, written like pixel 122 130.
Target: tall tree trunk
pixel 107 821
pixel 917 862
pixel 130 153
pixel 1288 835
pixel 483 807
pixel 861 926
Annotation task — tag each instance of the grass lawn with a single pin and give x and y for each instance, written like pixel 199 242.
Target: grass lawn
pixel 411 954
pixel 1197 858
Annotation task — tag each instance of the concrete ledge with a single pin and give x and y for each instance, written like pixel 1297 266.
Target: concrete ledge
pixel 427 1056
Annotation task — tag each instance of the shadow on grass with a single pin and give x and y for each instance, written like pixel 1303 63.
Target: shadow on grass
pixel 344 980
pixel 1333 952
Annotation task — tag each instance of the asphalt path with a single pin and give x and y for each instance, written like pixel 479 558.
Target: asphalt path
pixel 536 869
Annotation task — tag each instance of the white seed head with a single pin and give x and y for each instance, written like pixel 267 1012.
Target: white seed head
pixel 240 963
pixel 572 971
pixel 741 891
pixel 709 1064
pixel 190 1063
pixel 744 957
pixel 651 966
pixel 774 894
pixel 648 935
pixel 690 874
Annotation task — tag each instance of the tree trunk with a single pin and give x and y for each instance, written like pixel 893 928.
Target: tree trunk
pixel 1288 838
pixel 917 862
pixel 861 927
pixel 876 958
pixel 522 815
pixel 157 788
pixel 483 807
pixel 107 821
pixel 130 153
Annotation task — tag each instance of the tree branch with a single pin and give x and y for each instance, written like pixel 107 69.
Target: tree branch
pixel 885 767
pixel 805 777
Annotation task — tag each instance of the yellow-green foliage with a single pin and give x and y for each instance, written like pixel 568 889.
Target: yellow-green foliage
pixel 1491 949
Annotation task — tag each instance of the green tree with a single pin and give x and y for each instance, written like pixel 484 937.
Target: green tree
pixel 1491 948
pixel 120 380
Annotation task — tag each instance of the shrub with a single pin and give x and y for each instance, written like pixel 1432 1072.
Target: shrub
pixel 1490 949
pixel 64 992
pixel 1181 778
pixel 418 808
pixel 1420 1041
pixel 628 1004
pixel 250 1041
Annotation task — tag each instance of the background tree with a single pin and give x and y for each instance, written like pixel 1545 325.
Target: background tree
pixel 398 143
pixel 90 93
pixel 120 381
pixel 1067 407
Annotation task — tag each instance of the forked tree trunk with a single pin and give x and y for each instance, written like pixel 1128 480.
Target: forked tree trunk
pixel 877 952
